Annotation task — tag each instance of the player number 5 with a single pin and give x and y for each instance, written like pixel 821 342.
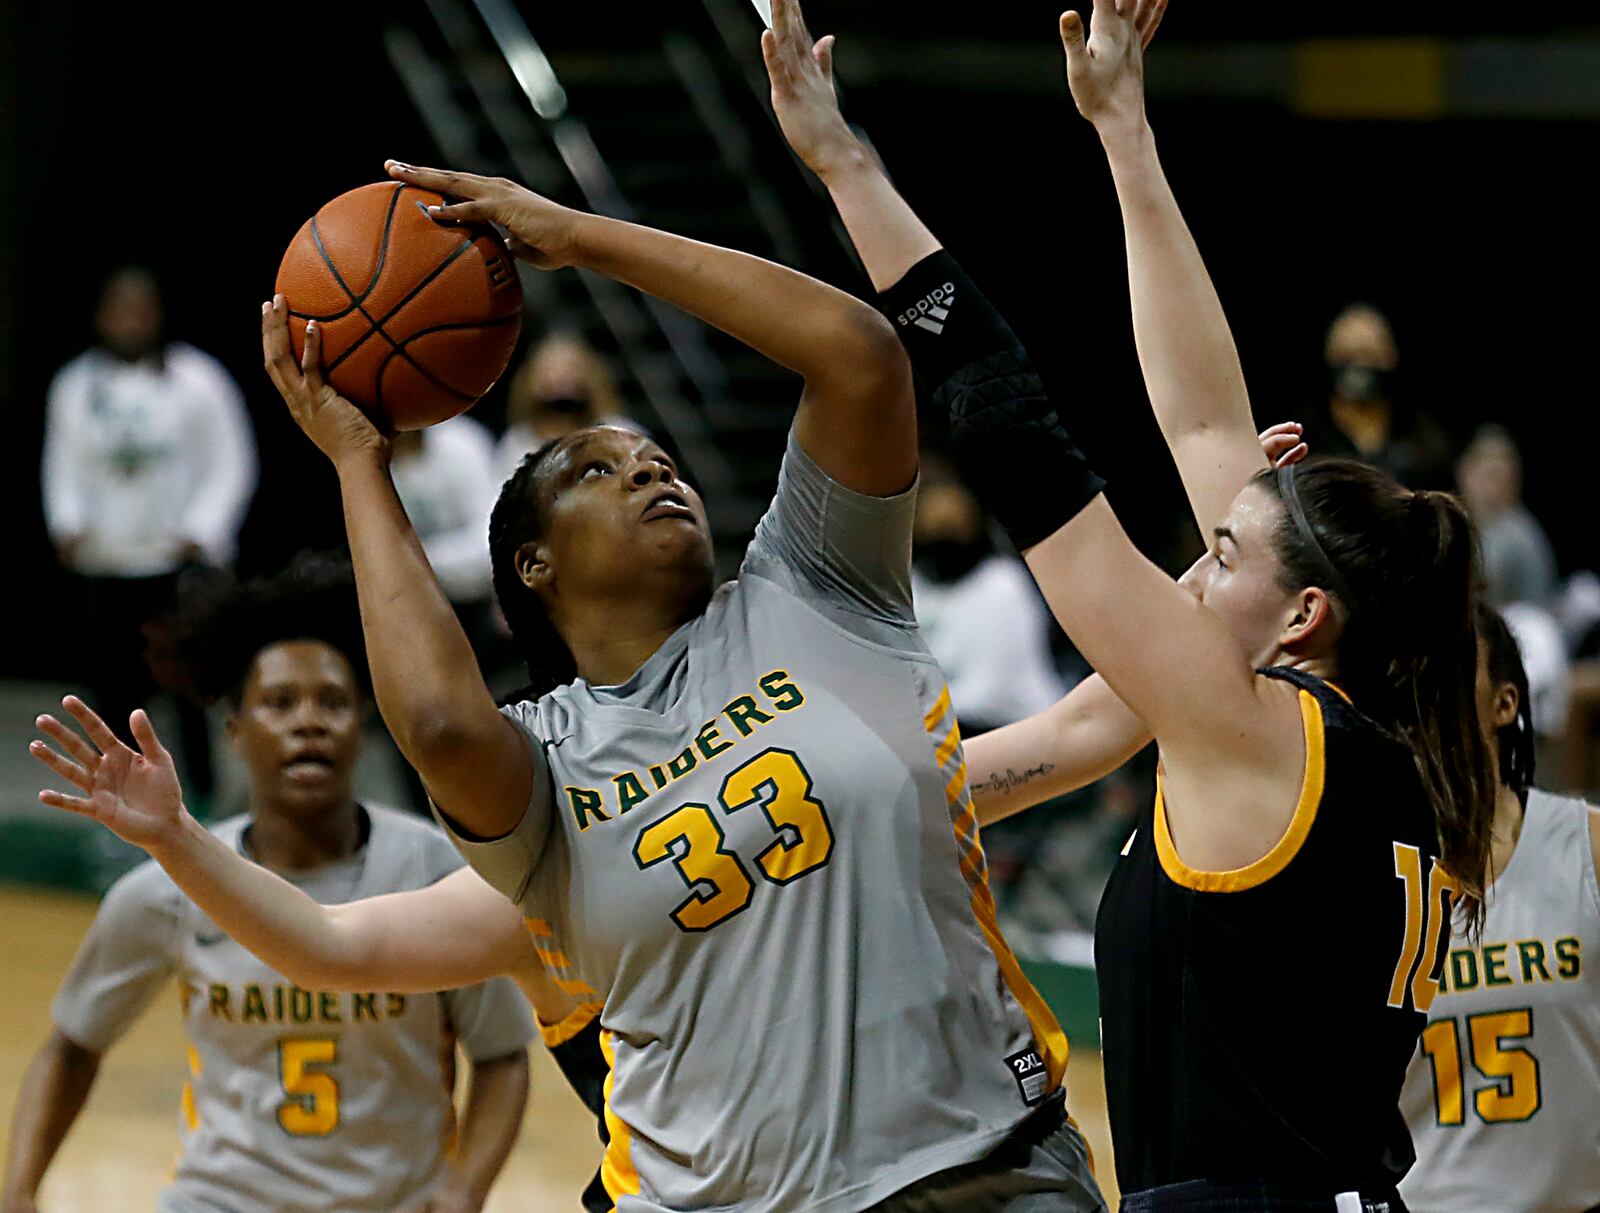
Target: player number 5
pixel 311 1108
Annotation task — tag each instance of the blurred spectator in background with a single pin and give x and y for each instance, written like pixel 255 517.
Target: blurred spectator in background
pixel 445 476
pixel 1364 417
pixel 562 385
pixel 1519 565
pixel 963 585
pixel 149 465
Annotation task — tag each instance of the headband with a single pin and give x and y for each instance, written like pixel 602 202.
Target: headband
pixel 1291 500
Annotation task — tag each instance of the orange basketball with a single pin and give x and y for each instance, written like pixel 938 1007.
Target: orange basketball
pixel 418 318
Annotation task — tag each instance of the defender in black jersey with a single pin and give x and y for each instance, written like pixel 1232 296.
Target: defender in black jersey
pixel 1312 696
pixel 1213 999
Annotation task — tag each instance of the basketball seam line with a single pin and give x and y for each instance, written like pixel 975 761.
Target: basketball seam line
pixel 355 300
pixel 399 351
pixel 377 325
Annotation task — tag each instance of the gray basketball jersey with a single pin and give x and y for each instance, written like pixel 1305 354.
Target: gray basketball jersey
pixel 1503 1096
pixel 299 1101
pixel 763 854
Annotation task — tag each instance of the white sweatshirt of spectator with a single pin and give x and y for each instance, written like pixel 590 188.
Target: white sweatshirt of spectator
pixel 990 633
pixel 449 487
pixel 142 460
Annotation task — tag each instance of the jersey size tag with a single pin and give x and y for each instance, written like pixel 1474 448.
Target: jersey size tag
pixel 1027 1067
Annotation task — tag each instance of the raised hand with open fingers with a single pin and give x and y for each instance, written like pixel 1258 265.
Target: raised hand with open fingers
pixel 803 95
pixel 1106 70
pixel 339 429
pixel 538 231
pixel 133 793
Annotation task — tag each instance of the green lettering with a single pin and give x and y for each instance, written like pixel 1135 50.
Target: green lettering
pixel 1531 953
pixel 1494 965
pixel 255 1006
pixel 219 1001
pixel 710 741
pixel 658 776
pixel 394 1005
pixel 328 1007
pixel 785 696
pixel 363 1006
pixel 1569 958
pixel 629 790
pixel 586 804
pixel 683 763
pixel 300 1005
pixel 743 714
pixel 1463 970
pixel 277 1004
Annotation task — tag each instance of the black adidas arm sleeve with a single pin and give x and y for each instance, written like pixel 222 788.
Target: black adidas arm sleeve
pixel 1008 441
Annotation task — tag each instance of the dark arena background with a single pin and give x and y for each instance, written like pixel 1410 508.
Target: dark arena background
pixel 1435 162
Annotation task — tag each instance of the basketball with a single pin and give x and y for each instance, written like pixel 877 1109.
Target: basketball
pixel 418 318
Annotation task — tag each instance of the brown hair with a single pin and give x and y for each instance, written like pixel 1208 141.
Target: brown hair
pixel 1404 570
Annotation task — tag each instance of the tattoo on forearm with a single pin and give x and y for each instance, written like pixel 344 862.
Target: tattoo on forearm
pixel 1008 779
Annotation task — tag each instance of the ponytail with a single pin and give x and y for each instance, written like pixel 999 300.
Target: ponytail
pixel 1436 693
pixel 1402 566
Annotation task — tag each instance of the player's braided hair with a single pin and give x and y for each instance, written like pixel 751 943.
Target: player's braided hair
pixel 1404 569
pixel 205 646
pixel 1505 666
pixel 517 518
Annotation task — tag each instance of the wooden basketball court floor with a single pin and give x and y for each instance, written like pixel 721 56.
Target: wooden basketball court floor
pixel 120 1153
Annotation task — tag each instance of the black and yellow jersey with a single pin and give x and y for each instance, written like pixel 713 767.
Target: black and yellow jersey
pixel 1258 1022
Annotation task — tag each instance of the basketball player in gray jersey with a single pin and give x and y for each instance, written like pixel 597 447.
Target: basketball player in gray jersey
pixel 297 1096
pixel 1502 1094
pixel 740 817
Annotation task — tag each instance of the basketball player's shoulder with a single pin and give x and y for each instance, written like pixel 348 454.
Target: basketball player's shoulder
pixel 408 847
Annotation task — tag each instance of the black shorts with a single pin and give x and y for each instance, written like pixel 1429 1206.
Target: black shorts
pixel 1260 1196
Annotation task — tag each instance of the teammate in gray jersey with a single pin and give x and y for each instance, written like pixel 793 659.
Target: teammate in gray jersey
pixel 739 817
pixel 299 1096
pixel 1502 1094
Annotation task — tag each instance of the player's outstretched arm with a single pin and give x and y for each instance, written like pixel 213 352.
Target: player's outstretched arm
pixel 1191 368
pixel 450 934
pixel 1086 734
pixel 52 1094
pixel 857 418
pixel 476 764
pixel 886 232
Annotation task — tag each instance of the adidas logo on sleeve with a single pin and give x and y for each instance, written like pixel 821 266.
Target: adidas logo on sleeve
pixel 931 311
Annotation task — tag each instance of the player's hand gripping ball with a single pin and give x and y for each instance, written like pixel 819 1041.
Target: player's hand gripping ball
pixel 418 316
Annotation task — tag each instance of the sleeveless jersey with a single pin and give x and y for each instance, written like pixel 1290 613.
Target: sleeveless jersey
pixel 763 855
pixel 1241 1041
pixel 302 1101
pixel 1503 1095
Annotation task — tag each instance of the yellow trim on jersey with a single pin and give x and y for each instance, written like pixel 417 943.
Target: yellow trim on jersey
pixel 1048 1037
pixel 554 957
pixel 617 1174
pixel 1285 849
pixel 557 1034
pixel 578 989
pixel 191 1114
